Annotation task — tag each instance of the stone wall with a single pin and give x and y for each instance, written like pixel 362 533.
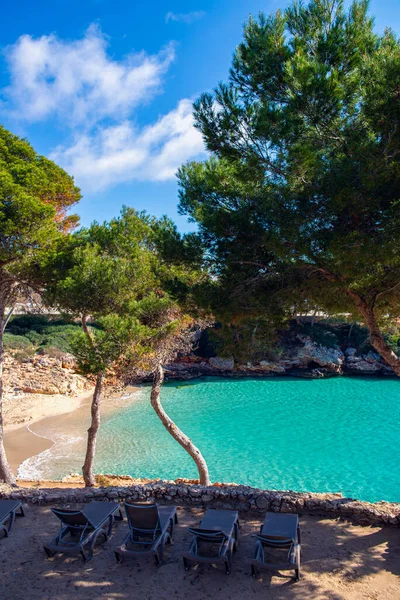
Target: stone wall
pixel 242 498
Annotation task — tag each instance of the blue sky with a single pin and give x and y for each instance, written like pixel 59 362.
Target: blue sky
pixel 105 88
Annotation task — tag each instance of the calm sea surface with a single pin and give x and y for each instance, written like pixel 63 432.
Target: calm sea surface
pixel 339 434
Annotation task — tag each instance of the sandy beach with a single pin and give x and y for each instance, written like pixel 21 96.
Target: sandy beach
pixel 340 561
pixel 36 422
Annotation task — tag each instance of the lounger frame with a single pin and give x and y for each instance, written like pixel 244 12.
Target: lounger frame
pixel 9 515
pixel 83 532
pixel 219 528
pixel 291 543
pixel 150 528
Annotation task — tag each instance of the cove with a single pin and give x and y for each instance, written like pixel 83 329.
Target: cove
pixel 322 435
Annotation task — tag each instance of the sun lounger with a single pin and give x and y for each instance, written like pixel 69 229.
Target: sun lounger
pixel 8 512
pixel 215 540
pixel 84 527
pixel 279 535
pixel 150 528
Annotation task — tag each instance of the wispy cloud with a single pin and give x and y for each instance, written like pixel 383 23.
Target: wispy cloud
pixel 97 97
pixel 188 18
pixel 123 152
pixel 77 79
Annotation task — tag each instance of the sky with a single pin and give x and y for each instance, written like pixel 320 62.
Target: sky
pixel 105 88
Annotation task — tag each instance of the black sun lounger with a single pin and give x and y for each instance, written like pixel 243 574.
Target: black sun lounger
pixel 150 528
pixel 215 540
pixel 84 527
pixel 8 512
pixel 279 535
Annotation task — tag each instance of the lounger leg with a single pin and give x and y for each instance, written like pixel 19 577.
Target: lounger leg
pixel 111 521
pixel 228 563
pixel 86 557
pixel 11 522
pixel 158 559
pixel 253 571
pixel 236 536
pixel 3 528
pixel 119 516
pixel 171 527
pixel 21 513
pixel 297 570
pixel 48 552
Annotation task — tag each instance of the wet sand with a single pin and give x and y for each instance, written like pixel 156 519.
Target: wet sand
pixel 29 441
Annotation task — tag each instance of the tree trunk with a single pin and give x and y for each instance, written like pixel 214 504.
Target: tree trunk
pixel 378 341
pixel 6 320
pixel 176 433
pixel 87 468
pixel 6 474
pixel 376 338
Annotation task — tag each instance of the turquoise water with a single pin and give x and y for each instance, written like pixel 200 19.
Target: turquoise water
pixel 339 434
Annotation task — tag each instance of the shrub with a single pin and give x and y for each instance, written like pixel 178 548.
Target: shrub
pixel 15 342
pixel 43 332
pixel 24 355
pixel 51 351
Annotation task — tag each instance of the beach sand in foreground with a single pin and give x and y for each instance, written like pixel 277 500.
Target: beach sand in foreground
pixel 339 562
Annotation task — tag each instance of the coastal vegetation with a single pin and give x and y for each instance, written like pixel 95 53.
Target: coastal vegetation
pixel 298 205
pixel 35 195
pixel 115 274
pixel 296 211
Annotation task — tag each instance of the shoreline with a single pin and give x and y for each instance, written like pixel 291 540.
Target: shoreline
pixel 30 442
pixel 22 442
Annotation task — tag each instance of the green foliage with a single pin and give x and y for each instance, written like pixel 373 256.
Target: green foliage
pixel 321 335
pixel 40 331
pixel 34 197
pixel 16 342
pixel 298 205
pixel 120 274
pixel 117 336
pixel 245 341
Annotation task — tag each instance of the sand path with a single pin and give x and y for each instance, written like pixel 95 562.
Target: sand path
pixel 339 562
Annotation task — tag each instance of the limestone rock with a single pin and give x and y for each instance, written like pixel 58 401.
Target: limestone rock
pixel 224 364
pixel 332 358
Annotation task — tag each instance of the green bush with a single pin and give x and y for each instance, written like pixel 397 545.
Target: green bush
pixel 15 342
pixel 323 335
pixel 42 332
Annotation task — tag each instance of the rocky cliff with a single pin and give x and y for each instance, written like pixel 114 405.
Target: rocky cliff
pixel 303 358
pixel 42 375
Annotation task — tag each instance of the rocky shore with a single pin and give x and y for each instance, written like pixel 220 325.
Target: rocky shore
pixel 42 375
pixel 304 358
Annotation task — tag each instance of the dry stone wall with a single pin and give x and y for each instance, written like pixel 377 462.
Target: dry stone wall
pixel 234 497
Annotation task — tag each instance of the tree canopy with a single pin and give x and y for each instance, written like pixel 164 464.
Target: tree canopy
pixel 299 202
pixel 35 196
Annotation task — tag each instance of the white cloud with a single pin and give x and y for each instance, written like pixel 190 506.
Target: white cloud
pixel 77 80
pixel 96 98
pixel 123 152
pixel 188 18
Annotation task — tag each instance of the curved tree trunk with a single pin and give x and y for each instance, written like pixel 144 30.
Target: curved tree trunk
pixel 6 474
pixel 87 468
pixel 176 433
pixel 376 337
pixel 378 341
